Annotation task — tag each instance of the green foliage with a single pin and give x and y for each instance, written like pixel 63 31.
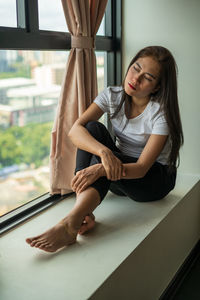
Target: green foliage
pixel 29 144
pixel 19 70
pixel 10 152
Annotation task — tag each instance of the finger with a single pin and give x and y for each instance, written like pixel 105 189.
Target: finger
pixel 117 165
pixel 78 187
pixel 115 172
pixel 123 172
pixel 118 175
pixel 109 166
pixel 79 180
pixel 113 169
pixel 107 171
pixel 74 180
pixel 82 186
pixel 74 186
pixel 110 173
pixel 119 172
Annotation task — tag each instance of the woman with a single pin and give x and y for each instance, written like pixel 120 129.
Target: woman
pixel 142 163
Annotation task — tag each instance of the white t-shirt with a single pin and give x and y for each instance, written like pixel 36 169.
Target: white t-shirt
pixel 132 138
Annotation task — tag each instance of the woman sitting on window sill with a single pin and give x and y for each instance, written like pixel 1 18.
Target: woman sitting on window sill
pixel 142 163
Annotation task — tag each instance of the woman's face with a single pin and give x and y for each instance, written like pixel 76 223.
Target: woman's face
pixel 142 78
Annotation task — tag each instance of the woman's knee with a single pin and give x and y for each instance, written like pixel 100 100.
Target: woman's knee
pixel 94 126
pixel 97 130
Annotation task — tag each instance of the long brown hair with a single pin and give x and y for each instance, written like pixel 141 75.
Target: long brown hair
pixel 166 95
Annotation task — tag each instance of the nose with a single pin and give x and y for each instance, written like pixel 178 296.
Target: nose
pixel 136 79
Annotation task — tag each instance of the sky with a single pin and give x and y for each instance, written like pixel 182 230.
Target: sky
pixel 51 17
pixel 8 13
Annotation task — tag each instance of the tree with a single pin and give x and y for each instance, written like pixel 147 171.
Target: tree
pixel 28 144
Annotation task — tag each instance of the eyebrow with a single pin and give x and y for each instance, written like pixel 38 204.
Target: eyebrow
pixel 145 72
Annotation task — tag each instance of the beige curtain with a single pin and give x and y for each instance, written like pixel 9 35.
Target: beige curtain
pixel 79 87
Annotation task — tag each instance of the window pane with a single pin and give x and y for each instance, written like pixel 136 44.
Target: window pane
pixel 30 83
pixel 101 30
pixel 101 59
pixel 51 17
pixel 8 15
pixel 101 77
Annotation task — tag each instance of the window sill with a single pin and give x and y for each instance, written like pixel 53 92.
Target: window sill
pixel 134 251
pixel 28 210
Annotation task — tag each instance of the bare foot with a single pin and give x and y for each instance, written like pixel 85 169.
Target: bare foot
pixel 57 237
pixel 88 224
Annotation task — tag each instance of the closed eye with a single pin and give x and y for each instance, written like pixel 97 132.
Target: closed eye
pixel 136 69
pixel 149 79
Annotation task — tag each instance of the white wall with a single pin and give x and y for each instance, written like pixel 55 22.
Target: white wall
pixel 174 24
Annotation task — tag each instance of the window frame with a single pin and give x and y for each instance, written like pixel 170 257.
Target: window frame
pixel 28 36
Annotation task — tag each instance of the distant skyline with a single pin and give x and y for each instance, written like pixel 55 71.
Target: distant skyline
pixel 51 17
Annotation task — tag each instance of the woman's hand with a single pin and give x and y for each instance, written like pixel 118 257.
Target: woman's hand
pixel 86 177
pixel 112 165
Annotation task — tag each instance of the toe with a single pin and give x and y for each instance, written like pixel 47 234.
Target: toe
pixel 92 216
pixel 28 240
pixel 38 244
pixel 32 239
pixel 33 243
pixel 88 224
pixel 45 245
pixel 83 229
pixel 37 241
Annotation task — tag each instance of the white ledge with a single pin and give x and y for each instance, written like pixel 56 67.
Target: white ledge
pixel 90 269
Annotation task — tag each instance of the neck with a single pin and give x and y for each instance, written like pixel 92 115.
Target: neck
pixel 137 106
pixel 140 103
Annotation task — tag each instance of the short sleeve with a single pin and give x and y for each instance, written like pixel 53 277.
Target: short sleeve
pixel 160 125
pixel 102 100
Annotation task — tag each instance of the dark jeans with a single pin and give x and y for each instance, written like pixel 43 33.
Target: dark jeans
pixel 156 184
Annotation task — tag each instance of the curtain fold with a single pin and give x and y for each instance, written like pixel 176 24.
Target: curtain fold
pixel 78 90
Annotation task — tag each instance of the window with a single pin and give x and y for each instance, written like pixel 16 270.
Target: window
pixel 32 60
pixel 30 83
pixel 54 12
pixel 8 16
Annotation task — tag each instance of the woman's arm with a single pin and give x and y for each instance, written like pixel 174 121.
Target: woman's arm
pixel 148 156
pixel 79 135
pixel 86 177
pixel 82 139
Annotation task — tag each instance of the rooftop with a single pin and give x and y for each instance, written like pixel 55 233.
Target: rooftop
pixel 15 82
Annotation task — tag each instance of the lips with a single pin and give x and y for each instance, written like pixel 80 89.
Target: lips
pixel 131 86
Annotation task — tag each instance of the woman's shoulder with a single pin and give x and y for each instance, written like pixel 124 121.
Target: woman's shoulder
pixel 113 90
pixel 116 89
pixel 111 94
pixel 115 93
pixel 157 112
pixel 109 98
pixel 156 108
